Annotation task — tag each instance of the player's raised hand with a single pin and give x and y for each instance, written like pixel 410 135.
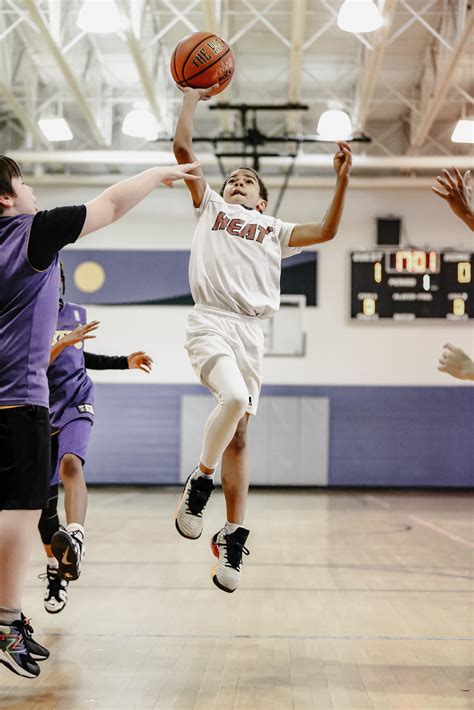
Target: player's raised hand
pixel 140 361
pixel 178 172
pixel 455 362
pixel 343 160
pixel 80 334
pixel 456 191
pixel 197 94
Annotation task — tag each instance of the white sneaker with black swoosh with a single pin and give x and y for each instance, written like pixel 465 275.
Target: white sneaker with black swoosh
pixel 68 548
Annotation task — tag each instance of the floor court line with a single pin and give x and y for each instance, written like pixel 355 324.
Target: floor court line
pixel 257 637
pixel 442 531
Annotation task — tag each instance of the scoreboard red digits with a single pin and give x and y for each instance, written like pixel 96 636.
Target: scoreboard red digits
pixel 407 284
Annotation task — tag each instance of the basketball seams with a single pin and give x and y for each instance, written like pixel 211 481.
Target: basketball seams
pixel 201 41
pixel 176 75
pixel 209 66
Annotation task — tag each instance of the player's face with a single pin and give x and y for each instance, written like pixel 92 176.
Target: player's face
pixel 24 200
pixel 242 188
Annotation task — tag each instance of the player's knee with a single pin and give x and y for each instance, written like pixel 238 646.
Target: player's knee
pixel 236 403
pixel 71 466
pixel 239 440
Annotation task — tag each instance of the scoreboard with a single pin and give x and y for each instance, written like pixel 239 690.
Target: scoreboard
pixel 406 284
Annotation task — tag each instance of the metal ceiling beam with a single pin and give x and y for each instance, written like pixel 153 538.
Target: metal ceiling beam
pixel 438 93
pixel 214 23
pixel 180 15
pixel 159 109
pixel 157 157
pixel 357 183
pixel 371 67
pixel 40 22
pixel 177 18
pixel 26 119
pixel 267 23
pixel 296 61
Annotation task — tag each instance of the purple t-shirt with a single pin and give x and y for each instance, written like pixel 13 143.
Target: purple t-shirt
pixel 28 313
pixel 71 391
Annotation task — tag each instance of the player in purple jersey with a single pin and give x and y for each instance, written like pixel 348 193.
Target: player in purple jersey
pixel 72 416
pixel 29 280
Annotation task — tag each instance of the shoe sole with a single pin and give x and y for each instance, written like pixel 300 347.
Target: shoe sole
pixel 14 669
pixel 35 657
pixel 215 552
pixel 60 545
pixel 182 533
pixel 58 611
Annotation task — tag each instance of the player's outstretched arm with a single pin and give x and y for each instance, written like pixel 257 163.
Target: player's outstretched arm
pixel 457 195
pixel 183 138
pixel 456 363
pixel 75 336
pixel 135 361
pixel 119 199
pixel 304 235
pixel 140 361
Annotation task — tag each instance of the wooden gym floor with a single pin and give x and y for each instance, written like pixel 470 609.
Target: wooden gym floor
pixel 348 600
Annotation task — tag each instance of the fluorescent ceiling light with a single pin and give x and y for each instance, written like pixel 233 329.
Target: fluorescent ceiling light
pixel 334 125
pixel 359 16
pixel 140 124
pixel 55 129
pixel 464 131
pixel 99 17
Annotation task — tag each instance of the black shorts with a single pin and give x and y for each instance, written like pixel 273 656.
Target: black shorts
pixel 25 457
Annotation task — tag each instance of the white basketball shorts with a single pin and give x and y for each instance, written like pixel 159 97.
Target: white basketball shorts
pixel 212 333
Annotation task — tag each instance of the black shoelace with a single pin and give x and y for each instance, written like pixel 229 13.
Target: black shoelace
pixel 54 583
pixel 233 552
pixel 28 630
pixel 198 497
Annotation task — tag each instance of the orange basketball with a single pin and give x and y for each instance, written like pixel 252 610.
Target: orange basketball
pixel 201 60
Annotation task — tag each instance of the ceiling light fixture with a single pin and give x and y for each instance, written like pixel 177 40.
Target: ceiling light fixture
pixel 334 125
pixel 140 124
pixel 100 17
pixel 359 16
pixel 463 131
pixel 55 129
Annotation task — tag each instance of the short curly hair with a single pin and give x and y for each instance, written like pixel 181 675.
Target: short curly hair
pixel 261 184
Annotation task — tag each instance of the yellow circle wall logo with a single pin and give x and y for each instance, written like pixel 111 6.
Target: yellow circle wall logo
pixel 89 276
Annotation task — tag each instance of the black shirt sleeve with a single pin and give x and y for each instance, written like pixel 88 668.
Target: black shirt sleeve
pixel 51 230
pixel 105 362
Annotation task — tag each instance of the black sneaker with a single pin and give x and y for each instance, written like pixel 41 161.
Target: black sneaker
pixel 13 652
pixel 55 596
pixel 35 649
pixel 228 548
pixel 196 493
pixel 68 549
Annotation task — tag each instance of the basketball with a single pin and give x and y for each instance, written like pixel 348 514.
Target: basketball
pixel 201 60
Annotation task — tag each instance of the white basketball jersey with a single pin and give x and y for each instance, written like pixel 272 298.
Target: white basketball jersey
pixel 236 257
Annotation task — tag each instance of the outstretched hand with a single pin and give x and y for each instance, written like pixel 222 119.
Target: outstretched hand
pixel 140 361
pixel 80 334
pixel 343 160
pixel 179 172
pixel 198 94
pixel 457 191
pixel 455 362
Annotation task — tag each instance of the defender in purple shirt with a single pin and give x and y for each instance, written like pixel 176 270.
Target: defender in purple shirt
pixel 72 416
pixel 29 278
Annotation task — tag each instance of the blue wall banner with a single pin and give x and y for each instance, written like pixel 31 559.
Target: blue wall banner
pixel 121 277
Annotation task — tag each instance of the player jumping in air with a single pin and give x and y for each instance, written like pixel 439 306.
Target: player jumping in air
pixel 235 282
pixel 71 401
pixel 29 280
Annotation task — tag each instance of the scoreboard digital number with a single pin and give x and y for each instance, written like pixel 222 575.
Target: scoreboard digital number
pixel 406 284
